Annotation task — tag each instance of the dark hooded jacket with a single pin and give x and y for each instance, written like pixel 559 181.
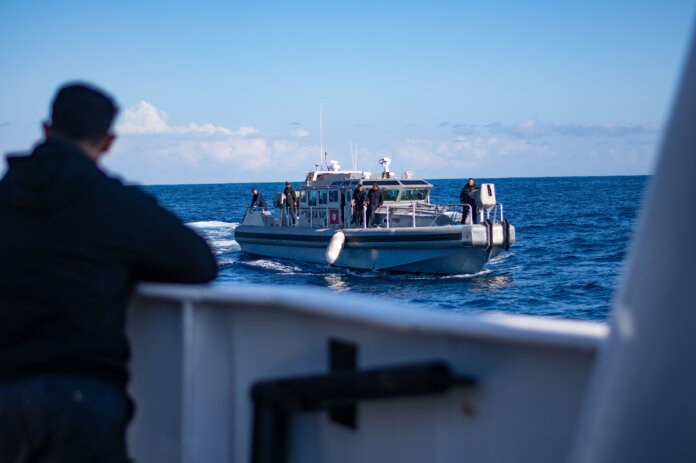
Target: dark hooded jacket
pixel 375 198
pixel 359 197
pixel 258 201
pixel 465 195
pixel 290 196
pixel 73 243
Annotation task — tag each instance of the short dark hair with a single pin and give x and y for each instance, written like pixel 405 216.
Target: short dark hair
pixel 82 112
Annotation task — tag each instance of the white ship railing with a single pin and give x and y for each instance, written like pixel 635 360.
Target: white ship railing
pixel 319 216
pixel 417 209
pixel 197 352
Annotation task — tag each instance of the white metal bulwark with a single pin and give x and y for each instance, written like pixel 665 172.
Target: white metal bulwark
pixel 198 351
pixel 642 404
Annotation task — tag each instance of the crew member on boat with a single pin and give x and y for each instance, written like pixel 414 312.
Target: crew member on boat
pixel 358 203
pixel 465 198
pixel 375 200
pixel 257 200
pixel 290 202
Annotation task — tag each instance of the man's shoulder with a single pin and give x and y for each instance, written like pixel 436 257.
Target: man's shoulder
pixel 131 196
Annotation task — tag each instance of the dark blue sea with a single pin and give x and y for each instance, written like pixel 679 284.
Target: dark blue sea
pixel 572 236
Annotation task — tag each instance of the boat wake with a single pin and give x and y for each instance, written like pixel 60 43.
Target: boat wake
pixel 207 224
pixel 220 235
pixel 272 266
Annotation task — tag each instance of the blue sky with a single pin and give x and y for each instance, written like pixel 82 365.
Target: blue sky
pixel 230 91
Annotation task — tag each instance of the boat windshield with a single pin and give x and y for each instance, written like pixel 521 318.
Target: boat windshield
pixel 419 194
pixel 390 195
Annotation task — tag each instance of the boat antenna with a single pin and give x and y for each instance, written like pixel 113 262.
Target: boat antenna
pixel 350 142
pixel 321 135
pixel 353 154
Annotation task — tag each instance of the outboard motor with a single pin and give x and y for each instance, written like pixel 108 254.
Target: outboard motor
pixel 485 196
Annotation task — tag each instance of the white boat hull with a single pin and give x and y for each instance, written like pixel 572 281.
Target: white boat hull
pixel 438 250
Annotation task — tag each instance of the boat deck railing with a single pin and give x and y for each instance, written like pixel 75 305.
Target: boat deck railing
pixel 416 214
pixel 418 210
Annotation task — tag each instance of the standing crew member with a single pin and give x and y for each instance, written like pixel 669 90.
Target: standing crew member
pixel 374 201
pixel 74 243
pixel 358 202
pixel 290 201
pixel 257 200
pixel 465 198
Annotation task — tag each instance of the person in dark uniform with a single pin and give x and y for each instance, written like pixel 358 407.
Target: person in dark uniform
pixel 375 199
pixel 74 244
pixel 290 201
pixel 465 198
pixel 257 200
pixel 358 203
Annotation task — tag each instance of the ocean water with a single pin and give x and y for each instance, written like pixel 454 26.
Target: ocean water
pixel 572 235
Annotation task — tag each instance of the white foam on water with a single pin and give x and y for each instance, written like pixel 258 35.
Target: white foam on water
pixel 501 258
pixel 469 275
pixel 213 224
pixel 273 266
pixel 225 243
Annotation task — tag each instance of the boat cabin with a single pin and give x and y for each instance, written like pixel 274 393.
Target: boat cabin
pixel 325 197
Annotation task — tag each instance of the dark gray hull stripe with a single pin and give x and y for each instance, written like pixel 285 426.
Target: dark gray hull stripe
pixel 352 238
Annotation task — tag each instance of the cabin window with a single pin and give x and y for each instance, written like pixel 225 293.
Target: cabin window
pixel 323 195
pixel 333 196
pixel 390 195
pixel 312 198
pixel 303 197
pixel 414 195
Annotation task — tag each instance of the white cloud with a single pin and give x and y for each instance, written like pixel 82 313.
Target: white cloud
pixel 145 118
pixel 300 133
pixel 150 150
pixel 534 128
pixel 462 152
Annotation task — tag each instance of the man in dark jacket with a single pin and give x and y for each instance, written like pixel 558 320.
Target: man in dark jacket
pixel 374 201
pixel 290 202
pixel 358 203
pixel 257 200
pixel 73 244
pixel 465 198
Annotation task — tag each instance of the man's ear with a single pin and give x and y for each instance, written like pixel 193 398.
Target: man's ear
pixel 46 130
pixel 106 142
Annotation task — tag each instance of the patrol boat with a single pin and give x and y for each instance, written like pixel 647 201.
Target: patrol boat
pixel 409 233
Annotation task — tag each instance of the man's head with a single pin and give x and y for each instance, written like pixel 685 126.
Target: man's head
pixel 83 115
pixel 471 181
pixel 360 187
pixel 253 190
pixel 375 186
pixel 287 184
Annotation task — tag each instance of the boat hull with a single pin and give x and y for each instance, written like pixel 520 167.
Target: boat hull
pixel 444 250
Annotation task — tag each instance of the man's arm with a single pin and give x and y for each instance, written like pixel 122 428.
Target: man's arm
pixel 171 251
